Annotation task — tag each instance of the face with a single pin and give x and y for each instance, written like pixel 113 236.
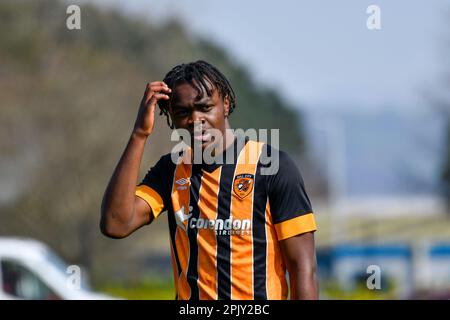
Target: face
pixel 189 108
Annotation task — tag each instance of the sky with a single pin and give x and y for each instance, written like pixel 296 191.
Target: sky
pixel 320 54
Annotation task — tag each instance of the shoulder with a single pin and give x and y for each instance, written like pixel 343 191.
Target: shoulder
pixel 276 161
pixel 167 158
pixel 173 157
pixel 165 163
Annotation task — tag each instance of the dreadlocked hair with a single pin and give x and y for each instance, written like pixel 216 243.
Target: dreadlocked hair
pixel 197 74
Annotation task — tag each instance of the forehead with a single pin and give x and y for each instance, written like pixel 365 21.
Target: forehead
pixel 186 93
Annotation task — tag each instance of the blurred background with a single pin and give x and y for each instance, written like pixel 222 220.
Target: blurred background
pixel 365 113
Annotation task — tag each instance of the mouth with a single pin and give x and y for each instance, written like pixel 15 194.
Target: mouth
pixel 202 136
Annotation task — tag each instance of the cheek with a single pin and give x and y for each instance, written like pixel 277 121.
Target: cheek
pixel 217 117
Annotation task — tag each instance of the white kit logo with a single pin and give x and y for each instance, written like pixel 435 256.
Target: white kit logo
pixel 181 218
pixel 181 183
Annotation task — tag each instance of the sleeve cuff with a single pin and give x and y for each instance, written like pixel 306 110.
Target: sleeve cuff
pixel 152 197
pixel 295 226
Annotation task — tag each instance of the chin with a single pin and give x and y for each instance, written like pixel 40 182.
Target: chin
pixel 203 145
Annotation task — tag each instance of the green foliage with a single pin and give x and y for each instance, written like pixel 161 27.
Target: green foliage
pixel 332 290
pixel 148 289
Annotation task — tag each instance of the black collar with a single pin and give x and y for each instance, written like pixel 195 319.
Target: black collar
pixel 235 147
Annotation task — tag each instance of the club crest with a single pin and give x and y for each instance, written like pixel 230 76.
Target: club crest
pixel 243 185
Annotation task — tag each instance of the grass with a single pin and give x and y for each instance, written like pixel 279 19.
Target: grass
pixel 148 289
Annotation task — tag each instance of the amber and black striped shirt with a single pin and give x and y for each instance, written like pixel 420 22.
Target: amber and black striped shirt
pixel 225 221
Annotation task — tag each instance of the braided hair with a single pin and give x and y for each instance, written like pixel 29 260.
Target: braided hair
pixel 197 74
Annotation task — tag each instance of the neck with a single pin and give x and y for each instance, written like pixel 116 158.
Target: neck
pixel 228 139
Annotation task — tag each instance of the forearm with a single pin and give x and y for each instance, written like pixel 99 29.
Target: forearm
pixel 303 285
pixel 119 198
pixel 300 259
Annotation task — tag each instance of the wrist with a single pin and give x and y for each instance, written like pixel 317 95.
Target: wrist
pixel 139 135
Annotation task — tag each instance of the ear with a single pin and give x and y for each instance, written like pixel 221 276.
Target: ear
pixel 169 116
pixel 226 106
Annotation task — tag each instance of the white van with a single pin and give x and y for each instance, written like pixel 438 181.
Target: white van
pixel 30 270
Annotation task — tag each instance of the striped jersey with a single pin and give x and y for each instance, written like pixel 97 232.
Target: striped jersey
pixel 226 221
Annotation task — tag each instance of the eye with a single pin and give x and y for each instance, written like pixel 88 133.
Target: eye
pixel 207 107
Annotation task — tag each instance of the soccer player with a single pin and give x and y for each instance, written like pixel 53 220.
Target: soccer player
pixel 234 229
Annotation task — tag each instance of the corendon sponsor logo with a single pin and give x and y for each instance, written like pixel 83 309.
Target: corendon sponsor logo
pixel 228 226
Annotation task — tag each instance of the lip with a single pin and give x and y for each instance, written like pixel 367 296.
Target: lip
pixel 203 137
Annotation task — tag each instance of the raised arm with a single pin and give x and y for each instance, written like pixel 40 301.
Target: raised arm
pixel 122 212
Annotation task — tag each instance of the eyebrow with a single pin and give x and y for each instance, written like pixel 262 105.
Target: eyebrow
pixel 201 102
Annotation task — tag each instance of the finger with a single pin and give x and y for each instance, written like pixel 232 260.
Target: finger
pixel 146 97
pixel 158 87
pixel 157 90
pixel 158 96
pixel 158 83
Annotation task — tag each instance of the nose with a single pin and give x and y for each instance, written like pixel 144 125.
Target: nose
pixel 196 118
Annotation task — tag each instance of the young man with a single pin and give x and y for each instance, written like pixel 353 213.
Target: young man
pixel 233 228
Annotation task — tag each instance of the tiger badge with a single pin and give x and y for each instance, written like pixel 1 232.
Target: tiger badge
pixel 243 185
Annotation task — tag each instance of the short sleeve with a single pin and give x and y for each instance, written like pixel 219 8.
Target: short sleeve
pixel 153 187
pixel 290 206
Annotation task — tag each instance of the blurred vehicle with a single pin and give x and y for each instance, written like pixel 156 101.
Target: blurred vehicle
pixel 30 270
